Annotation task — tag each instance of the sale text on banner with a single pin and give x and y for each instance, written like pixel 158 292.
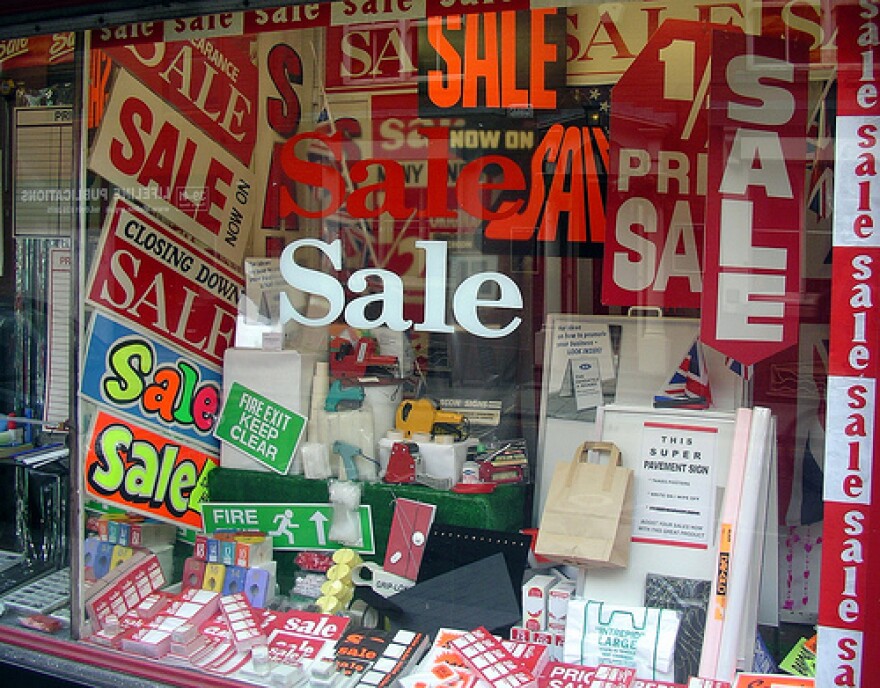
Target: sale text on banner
pixel 755 215
pixel 139 470
pixel 261 428
pixel 174 168
pixel 657 180
pixel 291 526
pixel 145 273
pixel 212 82
pixel 128 372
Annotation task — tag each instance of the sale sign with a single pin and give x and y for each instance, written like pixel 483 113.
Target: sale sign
pixel 131 373
pixel 657 180
pixel 174 168
pixel 144 273
pixel 142 471
pixel 849 635
pixel 755 214
pixel 211 81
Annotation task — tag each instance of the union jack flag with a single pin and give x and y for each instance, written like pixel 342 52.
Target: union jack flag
pixel 688 387
pixel 820 152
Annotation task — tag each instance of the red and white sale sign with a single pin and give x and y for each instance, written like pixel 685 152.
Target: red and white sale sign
pixel 211 81
pixel 146 274
pixel 755 213
pixel 848 624
pixel 656 185
pixel 160 157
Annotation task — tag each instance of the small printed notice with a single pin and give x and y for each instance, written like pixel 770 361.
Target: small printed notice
pixel 262 429
pixel 582 369
pixel 585 382
pixel 676 485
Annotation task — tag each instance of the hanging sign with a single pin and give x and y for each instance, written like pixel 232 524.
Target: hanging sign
pixel 144 273
pixel 848 633
pixel 261 428
pixel 755 213
pixel 210 81
pixel 36 51
pixel 139 470
pixel 131 373
pixel 657 181
pixel 174 168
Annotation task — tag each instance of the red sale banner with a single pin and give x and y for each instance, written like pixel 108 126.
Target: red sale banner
pixel 147 275
pixel 849 628
pixel 175 168
pixel 656 186
pixel 211 81
pixel 755 213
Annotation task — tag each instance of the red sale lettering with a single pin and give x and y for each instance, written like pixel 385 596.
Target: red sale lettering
pixel 574 190
pixel 212 80
pixel 576 155
pixel 485 50
pixel 753 225
pixel 165 158
pixel 285 69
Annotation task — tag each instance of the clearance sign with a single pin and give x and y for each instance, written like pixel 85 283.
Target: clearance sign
pixel 849 635
pixel 140 470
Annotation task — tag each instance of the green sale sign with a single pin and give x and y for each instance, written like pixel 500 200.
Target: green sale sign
pixel 259 427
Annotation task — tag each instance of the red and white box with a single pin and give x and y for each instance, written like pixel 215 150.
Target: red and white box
pixel 557 605
pixel 243 624
pixel 484 654
pixel 534 598
pixel 608 676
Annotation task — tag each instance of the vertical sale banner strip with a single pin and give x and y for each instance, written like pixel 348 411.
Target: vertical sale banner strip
pixel 849 628
pixel 755 213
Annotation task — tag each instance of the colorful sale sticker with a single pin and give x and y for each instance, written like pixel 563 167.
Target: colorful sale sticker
pixel 142 471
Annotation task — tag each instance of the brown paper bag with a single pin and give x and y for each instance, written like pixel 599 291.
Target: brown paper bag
pixel 587 519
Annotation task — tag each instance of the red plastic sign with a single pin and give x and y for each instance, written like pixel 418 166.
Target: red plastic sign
pixel 755 213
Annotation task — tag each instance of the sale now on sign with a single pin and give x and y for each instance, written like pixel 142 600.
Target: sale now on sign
pixel 262 429
pixel 183 174
pixel 144 273
pixel 139 470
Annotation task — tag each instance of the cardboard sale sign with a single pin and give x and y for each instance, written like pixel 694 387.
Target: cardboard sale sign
pixel 140 470
pixel 175 169
pixel 211 81
pixel 755 215
pixel 144 273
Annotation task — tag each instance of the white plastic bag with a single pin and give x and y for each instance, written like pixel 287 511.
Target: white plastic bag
pixel 639 637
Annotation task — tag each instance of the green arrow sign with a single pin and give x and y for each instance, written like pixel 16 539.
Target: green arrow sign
pixel 292 526
pixel 262 429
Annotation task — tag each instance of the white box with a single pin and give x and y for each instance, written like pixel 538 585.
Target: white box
pixel 557 605
pixel 534 597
